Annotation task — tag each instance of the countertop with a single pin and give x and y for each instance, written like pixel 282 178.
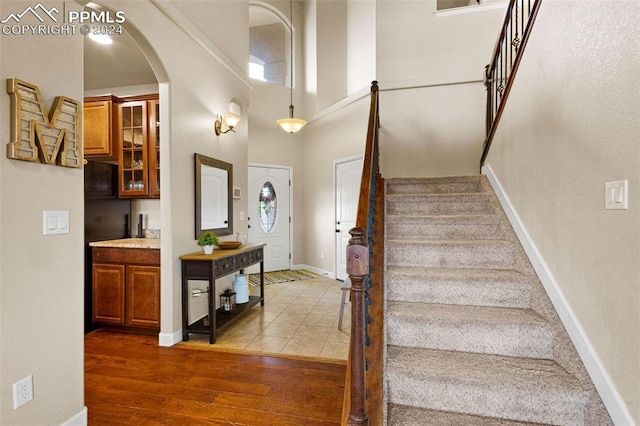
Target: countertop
pixel 144 243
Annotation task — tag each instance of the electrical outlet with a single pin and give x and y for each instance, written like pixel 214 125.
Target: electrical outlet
pixel 22 392
pixel 321 255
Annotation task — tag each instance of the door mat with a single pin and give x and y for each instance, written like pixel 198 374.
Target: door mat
pixel 276 277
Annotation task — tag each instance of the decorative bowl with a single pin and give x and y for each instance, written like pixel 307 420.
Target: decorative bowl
pixel 229 245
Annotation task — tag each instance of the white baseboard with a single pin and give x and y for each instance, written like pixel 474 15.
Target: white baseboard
pixel 610 397
pixel 314 270
pixel 79 419
pixel 170 339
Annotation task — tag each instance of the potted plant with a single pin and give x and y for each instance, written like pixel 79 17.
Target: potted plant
pixel 207 240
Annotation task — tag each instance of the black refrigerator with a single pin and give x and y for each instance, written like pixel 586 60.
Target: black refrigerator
pixel 106 217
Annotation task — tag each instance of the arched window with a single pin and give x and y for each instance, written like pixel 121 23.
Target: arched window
pixel 268 45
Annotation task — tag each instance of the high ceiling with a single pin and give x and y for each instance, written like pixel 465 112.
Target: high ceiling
pixel 119 64
pixel 123 63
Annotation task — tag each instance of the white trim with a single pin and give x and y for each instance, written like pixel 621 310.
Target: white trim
pixel 354 97
pixel 79 419
pixel 169 339
pixel 174 15
pixel 606 388
pixel 470 9
pixel 314 270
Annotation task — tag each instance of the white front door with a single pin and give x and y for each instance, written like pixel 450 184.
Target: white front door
pixel 347 180
pixel 270 214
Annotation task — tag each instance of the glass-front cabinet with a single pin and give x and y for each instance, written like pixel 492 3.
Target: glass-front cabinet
pixel 139 154
pixel 154 148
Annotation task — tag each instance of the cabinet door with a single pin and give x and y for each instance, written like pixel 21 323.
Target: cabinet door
pixel 154 148
pixel 132 154
pixel 108 293
pixel 143 296
pixel 97 129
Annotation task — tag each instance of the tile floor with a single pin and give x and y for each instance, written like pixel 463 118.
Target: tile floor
pixel 298 318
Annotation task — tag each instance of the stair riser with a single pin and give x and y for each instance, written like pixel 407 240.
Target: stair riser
pixel 422 230
pixel 434 188
pixel 529 405
pixel 503 295
pixel 496 255
pixel 533 341
pixel 429 207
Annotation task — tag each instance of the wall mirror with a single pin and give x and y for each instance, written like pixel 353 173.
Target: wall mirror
pixel 214 186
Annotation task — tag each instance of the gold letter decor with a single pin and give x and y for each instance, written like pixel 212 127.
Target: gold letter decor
pixel 36 136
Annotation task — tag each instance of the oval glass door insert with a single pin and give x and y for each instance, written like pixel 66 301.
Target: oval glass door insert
pixel 268 207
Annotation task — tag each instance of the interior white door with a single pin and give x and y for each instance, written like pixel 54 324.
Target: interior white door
pixel 347 180
pixel 270 214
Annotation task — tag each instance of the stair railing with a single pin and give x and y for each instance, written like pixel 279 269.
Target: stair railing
pixel 364 267
pixel 500 72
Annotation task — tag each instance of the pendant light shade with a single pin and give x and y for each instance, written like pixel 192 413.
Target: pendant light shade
pixel 291 124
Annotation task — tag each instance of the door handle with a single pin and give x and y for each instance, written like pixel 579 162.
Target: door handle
pixel 337 230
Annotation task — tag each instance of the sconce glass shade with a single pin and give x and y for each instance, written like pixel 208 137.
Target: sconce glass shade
pixel 230 119
pixel 291 124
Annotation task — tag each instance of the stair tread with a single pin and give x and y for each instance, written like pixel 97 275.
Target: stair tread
pixel 402 415
pixel 486 370
pixel 464 315
pixel 459 286
pixel 449 242
pixel 435 179
pixel 480 329
pixel 450 196
pixel 471 218
pixel 477 274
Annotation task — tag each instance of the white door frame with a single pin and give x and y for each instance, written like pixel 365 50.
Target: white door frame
pixel 335 205
pixel 290 169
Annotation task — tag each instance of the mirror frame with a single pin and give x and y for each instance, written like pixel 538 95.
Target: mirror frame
pixel 200 161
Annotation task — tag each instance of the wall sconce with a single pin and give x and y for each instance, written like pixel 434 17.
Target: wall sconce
pixel 230 120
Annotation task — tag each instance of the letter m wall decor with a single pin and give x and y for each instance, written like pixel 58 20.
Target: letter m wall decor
pixel 38 136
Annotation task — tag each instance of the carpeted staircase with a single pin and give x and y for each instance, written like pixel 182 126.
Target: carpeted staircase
pixel 471 337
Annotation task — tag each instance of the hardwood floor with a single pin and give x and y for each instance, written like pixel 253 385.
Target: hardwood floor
pixel 130 380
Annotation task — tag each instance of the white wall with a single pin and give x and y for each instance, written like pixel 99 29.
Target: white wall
pixel 361 44
pixel 432 126
pixel 335 136
pixel 269 144
pixel 572 124
pixel 41 277
pixel 331 36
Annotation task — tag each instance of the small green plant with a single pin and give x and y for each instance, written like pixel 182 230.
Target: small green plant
pixel 207 238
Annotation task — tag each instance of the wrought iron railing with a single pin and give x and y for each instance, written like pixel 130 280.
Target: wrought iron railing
pixel 364 267
pixel 506 58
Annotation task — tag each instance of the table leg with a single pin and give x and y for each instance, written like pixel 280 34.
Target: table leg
pixel 262 283
pixel 212 310
pixel 185 304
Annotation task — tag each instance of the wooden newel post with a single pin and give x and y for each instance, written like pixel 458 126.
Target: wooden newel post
pixel 357 269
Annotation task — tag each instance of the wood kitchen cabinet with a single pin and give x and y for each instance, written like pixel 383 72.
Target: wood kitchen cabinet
pixel 126 288
pixel 139 148
pixel 100 142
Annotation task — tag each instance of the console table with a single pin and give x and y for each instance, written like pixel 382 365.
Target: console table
pixel 209 267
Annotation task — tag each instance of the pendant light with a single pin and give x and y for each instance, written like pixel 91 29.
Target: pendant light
pixel 291 124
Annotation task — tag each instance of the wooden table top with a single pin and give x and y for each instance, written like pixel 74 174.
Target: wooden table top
pixel 220 253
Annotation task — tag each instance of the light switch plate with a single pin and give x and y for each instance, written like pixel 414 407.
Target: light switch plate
pixel 616 195
pixel 55 222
